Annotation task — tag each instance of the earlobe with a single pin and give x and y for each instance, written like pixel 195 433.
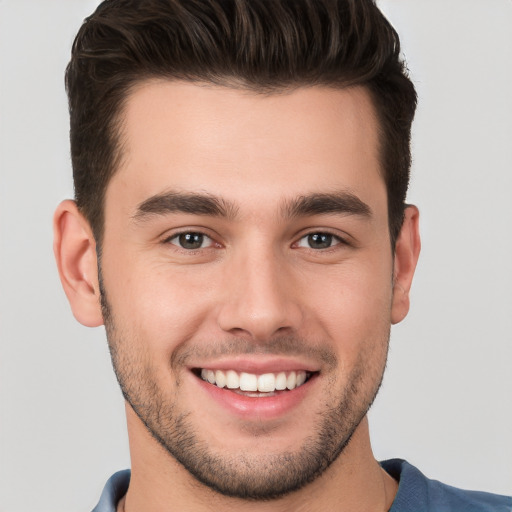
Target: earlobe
pixel 407 251
pixel 75 252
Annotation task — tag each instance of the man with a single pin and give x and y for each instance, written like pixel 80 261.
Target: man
pixel 240 229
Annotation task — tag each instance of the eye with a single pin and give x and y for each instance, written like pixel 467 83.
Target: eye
pixel 191 240
pixel 319 241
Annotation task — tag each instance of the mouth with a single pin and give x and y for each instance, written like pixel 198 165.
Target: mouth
pixel 258 389
pixel 255 385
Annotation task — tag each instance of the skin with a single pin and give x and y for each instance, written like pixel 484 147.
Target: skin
pixel 255 293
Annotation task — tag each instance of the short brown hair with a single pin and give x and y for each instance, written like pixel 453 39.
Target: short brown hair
pixel 261 45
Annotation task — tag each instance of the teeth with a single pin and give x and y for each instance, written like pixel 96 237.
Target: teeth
pixel 249 382
pixel 281 381
pixel 232 380
pixel 220 379
pixel 291 381
pixel 301 378
pixel 267 382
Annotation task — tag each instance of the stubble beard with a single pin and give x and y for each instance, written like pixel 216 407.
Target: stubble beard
pixel 259 477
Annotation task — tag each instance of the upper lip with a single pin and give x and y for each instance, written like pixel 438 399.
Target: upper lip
pixel 258 364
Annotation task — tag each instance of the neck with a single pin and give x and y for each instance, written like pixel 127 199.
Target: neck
pixel 355 482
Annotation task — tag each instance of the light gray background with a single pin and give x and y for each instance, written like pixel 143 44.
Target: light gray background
pixel 446 399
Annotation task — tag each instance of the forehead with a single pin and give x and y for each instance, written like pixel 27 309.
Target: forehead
pixel 240 144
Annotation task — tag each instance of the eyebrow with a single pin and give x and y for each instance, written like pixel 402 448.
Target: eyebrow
pixel 210 205
pixel 184 202
pixel 321 204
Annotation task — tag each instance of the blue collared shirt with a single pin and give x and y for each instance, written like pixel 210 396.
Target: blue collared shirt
pixel 416 493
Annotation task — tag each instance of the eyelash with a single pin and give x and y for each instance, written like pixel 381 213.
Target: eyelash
pixel 331 237
pixel 334 240
pixel 190 233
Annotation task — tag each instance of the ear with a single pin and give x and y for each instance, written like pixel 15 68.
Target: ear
pixel 407 251
pixel 75 251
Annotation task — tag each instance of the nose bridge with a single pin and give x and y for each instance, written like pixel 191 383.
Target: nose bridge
pixel 259 299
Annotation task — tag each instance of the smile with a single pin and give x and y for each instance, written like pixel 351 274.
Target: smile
pixel 257 384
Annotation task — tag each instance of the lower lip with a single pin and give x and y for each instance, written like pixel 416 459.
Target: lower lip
pixel 261 408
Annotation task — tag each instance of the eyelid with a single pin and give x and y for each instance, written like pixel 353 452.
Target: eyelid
pixel 206 239
pixel 173 235
pixel 340 238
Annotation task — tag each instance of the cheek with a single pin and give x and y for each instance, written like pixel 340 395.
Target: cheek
pixel 353 313
pixel 162 306
pixel 165 306
pixel 355 300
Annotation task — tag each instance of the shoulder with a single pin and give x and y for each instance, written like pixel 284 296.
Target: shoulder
pixel 114 490
pixel 421 494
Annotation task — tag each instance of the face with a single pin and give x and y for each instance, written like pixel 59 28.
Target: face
pixel 247 278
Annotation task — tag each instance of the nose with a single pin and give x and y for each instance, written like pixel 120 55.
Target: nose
pixel 260 300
